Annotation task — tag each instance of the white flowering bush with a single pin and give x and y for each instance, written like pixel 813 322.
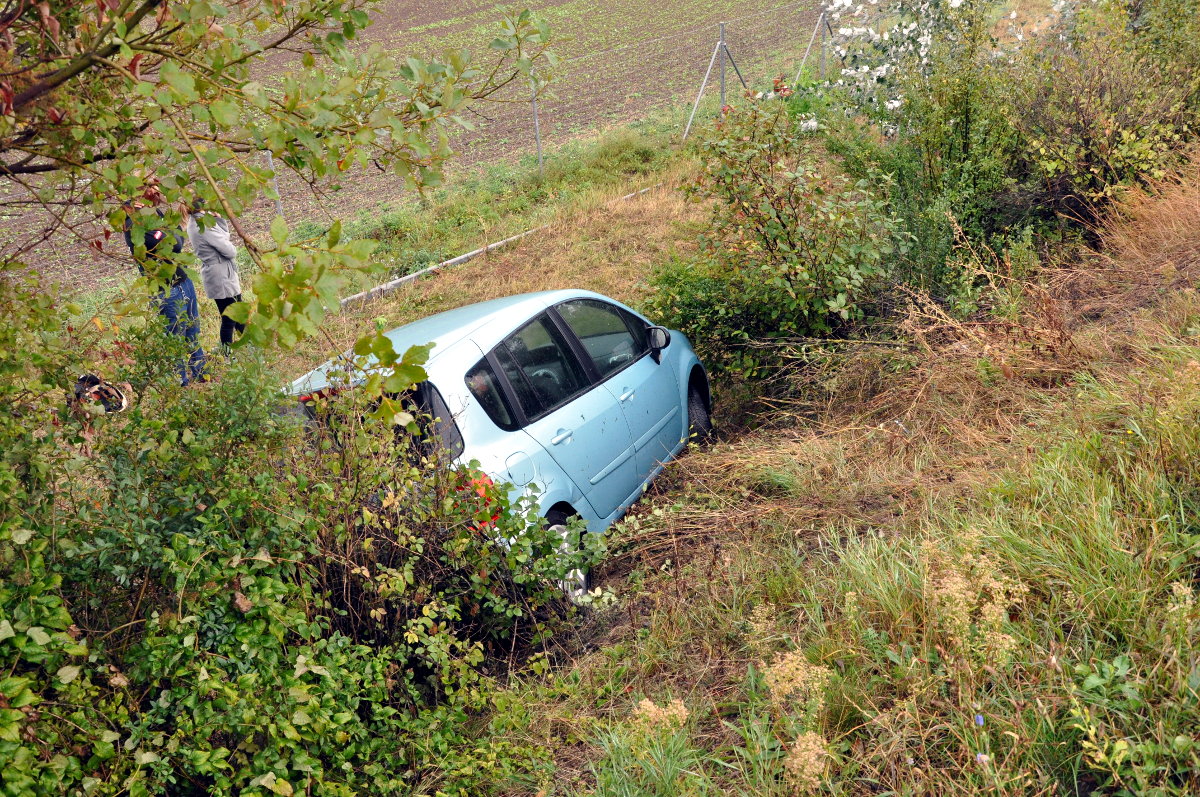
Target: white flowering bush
pixel 881 45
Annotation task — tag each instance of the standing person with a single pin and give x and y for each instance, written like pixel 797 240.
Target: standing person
pixel 177 302
pixel 209 234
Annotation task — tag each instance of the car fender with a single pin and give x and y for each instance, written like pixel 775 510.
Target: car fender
pixel 684 361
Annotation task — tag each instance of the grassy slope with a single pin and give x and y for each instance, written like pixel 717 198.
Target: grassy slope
pixel 594 240
pixel 971 572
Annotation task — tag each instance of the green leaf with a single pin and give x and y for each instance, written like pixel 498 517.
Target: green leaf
pixel 279 231
pixel 68 673
pixel 238 311
pixel 403 377
pixel 224 112
pixel 6 630
pixel 22 536
pixel 39 636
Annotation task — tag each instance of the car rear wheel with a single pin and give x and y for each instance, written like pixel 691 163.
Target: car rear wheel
pixel 577 582
pixel 699 421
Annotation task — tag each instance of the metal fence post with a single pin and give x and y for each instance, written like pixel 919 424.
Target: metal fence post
pixel 724 50
pixel 822 27
pixel 700 93
pixel 537 130
pixel 274 184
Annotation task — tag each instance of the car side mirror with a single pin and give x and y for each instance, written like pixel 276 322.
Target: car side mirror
pixel 659 339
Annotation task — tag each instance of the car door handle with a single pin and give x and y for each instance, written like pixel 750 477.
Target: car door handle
pixel 627 394
pixel 562 436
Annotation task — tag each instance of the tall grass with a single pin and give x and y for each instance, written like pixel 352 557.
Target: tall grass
pixel 1042 638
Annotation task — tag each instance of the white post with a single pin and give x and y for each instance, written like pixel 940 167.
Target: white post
pixel 703 85
pixel 274 184
pixel 537 131
pixel 823 40
pixel 808 49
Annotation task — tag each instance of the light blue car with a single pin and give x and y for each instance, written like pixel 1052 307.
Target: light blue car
pixel 567 395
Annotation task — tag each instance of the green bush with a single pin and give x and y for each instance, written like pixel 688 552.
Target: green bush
pixel 794 249
pixel 199 597
pixel 1097 111
pixel 986 139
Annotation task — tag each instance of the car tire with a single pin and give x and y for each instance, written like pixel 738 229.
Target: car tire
pixel 699 420
pixel 577 582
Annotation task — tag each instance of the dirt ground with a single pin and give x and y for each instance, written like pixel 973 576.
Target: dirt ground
pixel 620 60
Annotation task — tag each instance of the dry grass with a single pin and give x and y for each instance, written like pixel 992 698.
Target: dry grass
pixel 897 434
pixel 1150 249
pixel 599 244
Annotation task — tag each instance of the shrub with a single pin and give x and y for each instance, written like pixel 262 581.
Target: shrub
pixel 1097 112
pixel 198 597
pixel 793 248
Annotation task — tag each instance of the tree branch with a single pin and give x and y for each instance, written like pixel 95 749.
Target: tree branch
pixel 81 64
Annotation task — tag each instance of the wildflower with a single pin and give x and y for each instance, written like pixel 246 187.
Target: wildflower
pixel 790 676
pixel 762 628
pixel 982 758
pixel 650 716
pixel 806 761
pixel 979 720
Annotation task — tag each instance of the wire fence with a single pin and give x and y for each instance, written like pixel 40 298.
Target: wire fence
pixel 702 65
pixel 739 48
pixel 625 83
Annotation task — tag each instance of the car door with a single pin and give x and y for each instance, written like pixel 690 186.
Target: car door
pixel 563 410
pixel 616 346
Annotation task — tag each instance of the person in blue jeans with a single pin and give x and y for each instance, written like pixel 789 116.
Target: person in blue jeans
pixel 177 302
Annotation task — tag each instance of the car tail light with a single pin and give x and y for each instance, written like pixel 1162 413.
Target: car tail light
pixel 323 393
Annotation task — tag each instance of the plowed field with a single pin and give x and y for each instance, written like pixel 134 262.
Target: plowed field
pixel 619 60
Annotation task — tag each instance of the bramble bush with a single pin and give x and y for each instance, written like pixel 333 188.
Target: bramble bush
pixel 793 249
pixel 203 596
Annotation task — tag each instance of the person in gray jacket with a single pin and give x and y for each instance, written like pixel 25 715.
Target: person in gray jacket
pixel 209 234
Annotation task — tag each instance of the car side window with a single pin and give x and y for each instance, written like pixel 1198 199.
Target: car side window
pixel 640 329
pixel 540 367
pixel 605 333
pixel 485 387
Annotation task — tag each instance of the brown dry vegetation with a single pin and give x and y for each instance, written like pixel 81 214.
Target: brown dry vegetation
pixel 904 432
pixel 1150 250
pixel 603 243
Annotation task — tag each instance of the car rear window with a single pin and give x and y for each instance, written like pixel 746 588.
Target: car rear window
pixel 437 426
pixel 441 430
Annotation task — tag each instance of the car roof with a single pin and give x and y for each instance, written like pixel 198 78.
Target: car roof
pixel 484 322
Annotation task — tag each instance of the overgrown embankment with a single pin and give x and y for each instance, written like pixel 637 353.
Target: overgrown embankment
pixel 972 573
